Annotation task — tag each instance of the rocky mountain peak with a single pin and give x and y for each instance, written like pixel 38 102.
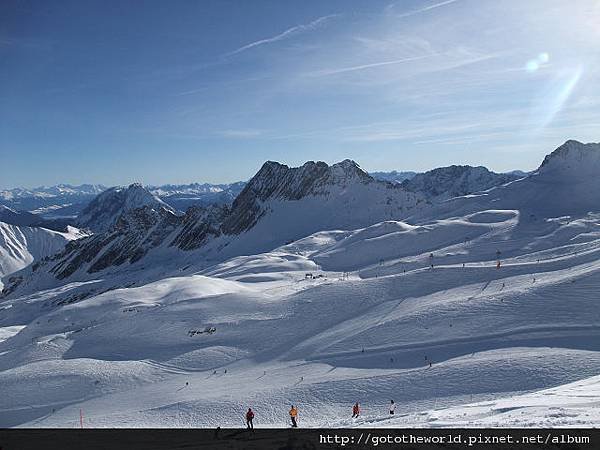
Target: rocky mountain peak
pixel 572 158
pixel 105 210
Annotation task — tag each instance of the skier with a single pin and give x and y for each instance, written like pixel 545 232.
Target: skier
pixel 249 419
pixel 355 410
pixel 392 407
pixel 293 415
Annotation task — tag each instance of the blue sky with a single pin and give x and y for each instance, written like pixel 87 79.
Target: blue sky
pixel 180 91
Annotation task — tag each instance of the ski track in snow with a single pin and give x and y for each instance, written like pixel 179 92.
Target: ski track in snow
pixel 414 311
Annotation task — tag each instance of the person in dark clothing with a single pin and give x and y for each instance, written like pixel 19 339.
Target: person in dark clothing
pixel 249 419
pixel 355 410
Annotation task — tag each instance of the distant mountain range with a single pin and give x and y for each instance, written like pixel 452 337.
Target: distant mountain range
pixel 66 201
pixel 278 205
pixel 393 176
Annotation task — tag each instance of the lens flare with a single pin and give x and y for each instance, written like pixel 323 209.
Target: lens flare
pixel 553 99
pixel 533 65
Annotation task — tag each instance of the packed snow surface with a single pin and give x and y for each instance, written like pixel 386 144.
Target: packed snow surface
pixel 481 310
pixel 325 321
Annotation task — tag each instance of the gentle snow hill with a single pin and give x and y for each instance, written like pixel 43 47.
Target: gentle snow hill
pixel 570 405
pixel 104 211
pixel 20 246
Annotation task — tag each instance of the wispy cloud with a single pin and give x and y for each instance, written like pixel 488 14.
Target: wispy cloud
pixel 284 35
pixel 420 10
pixel 327 72
pixel 449 60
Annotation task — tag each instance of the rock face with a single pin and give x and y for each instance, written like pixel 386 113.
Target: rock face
pixel 278 182
pixel 288 203
pixel 454 181
pixel 129 239
pixel 105 210
pixel 198 226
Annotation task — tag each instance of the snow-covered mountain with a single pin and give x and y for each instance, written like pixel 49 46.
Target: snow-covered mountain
pixel 453 181
pixel 60 190
pixel 27 219
pixel 183 196
pixel 62 201
pixel 20 218
pixel 105 210
pixel 393 176
pixel 65 201
pixel 21 245
pixel 294 202
pixel 484 305
pixel 278 205
pixel 565 184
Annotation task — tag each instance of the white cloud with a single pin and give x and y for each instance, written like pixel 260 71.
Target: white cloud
pixel 284 35
pixel 420 10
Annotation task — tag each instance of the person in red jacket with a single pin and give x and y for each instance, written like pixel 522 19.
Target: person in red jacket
pixel 249 418
pixel 355 410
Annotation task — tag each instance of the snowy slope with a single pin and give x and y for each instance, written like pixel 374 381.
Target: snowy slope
pixel 416 310
pixel 565 184
pixel 20 246
pixel 487 331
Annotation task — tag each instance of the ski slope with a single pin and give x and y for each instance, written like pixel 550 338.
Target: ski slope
pixel 124 357
pixel 481 310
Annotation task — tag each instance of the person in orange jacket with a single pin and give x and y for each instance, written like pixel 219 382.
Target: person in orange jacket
pixel 355 410
pixel 293 416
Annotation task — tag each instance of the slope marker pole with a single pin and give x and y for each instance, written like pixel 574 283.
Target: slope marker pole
pixel 81 418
